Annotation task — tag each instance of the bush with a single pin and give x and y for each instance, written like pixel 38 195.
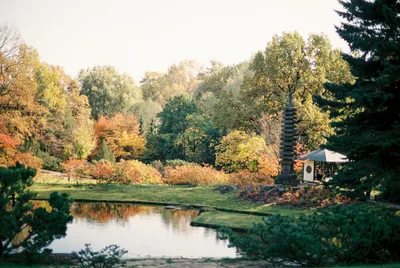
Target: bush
pixel 75 168
pixel 178 163
pixel 106 258
pixel 49 162
pixel 125 172
pixel 104 171
pixel 335 235
pixel 193 175
pixel 246 177
pixel 136 172
pixel 307 197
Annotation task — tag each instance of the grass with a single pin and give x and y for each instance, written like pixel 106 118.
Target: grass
pixel 236 221
pixel 199 196
pixel 179 195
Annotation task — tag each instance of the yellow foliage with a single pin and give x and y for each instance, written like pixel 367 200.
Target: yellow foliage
pixel 245 177
pixel 193 174
pixel 136 172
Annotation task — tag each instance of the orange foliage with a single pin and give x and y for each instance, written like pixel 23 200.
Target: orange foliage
pixel 126 172
pixel 122 135
pixel 245 177
pixel 268 165
pixel 104 172
pixel 300 150
pixel 75 167
pixel 193 174
pixel 9 154
pixel 136 172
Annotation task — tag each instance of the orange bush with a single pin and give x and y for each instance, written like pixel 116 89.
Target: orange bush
pixel 75 167
pixel 104 172
pixel 136 172
pixel 245 177
pixel 194 174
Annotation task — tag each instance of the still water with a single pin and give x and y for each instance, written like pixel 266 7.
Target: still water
pixel 145 231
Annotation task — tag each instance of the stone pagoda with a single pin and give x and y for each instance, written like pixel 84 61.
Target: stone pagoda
pixel 287 148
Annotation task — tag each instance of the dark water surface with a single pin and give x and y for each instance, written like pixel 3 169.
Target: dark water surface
pixel 142 230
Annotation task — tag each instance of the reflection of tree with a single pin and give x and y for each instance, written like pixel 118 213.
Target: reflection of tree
pixel 178 219
pixel 105 212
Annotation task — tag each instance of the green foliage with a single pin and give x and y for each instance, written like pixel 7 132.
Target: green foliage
pixel 108 91
pixel 36 227
pixel 177 163
pixel 239 150
pixel 108 257
pixel 335 235
pixel 184 134
pixel 104 152
pixel 181 79
pixel 49 162
pixel 367 111
pixel 291 65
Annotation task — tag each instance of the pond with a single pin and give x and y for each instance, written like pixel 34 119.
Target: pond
pixel 145 231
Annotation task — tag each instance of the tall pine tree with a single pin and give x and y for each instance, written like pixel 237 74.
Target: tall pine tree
pixel 368 111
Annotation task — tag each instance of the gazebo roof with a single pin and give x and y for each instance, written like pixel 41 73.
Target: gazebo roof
pixel 325 155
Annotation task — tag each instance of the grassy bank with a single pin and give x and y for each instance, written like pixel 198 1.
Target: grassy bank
pixel 238 222
pixel 206 196
pixel 231 212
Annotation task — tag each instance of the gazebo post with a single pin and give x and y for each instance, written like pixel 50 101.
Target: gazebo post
pixel 287 152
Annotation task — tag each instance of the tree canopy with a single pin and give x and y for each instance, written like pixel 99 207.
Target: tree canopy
pixel 367 112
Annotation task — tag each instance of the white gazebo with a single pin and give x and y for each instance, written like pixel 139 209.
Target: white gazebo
pixel 324 156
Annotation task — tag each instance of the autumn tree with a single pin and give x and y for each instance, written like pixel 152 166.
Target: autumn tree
pixel 122 135
pixel 368 129
pixel 108 91
pixel 20 114
pixel 292 66
pixel 181 79
pixel 241 151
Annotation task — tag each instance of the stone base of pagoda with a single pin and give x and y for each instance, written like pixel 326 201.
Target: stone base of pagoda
pixel 287 179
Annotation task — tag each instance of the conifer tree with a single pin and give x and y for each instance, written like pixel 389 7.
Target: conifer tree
pixel 23 225
pixel 104 152
pixel 368 111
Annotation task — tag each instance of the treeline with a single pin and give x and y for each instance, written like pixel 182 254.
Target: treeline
pixel 223 116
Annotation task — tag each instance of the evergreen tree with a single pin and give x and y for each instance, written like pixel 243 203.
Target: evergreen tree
pixel 368 111
pixel 104 152
pixel 23 225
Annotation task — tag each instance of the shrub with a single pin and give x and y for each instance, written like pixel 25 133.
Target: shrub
pixel 75 168
pixel 335 235
pixel 104 171
pixel 49 162
pixel 307 197
pixel 194 174
pixel 106 258
pixel 136 172
pixel 177 163
pixel 125 172
pixel 246 177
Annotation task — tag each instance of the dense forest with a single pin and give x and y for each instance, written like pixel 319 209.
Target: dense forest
pixel 227 117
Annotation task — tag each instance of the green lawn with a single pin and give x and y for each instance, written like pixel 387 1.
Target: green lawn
pixel 179 195
pixel 205 196
pixel 231 220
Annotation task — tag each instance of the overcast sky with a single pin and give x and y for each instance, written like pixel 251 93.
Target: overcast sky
pixel 150 35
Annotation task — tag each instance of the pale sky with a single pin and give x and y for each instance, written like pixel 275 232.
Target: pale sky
pixel 138 36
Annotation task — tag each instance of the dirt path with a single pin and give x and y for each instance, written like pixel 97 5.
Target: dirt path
pixel 195 263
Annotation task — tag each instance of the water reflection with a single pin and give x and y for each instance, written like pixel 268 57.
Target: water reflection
pixel 142 230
